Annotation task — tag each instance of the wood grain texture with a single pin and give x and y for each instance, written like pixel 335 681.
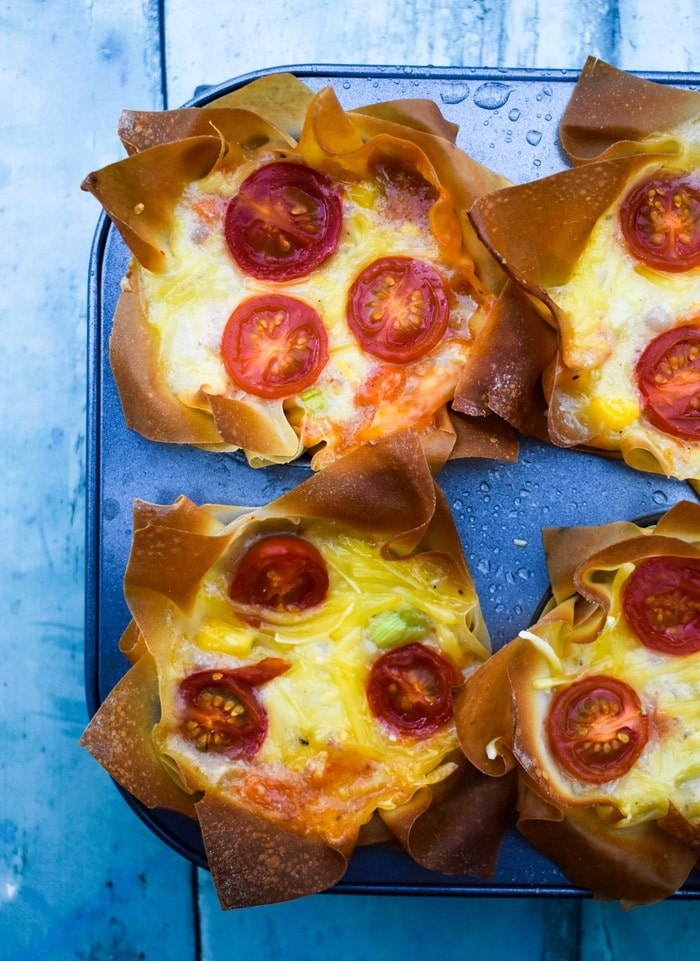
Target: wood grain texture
pixel 659 933
pixel 351 927
pixel 80 876
pixel 210 44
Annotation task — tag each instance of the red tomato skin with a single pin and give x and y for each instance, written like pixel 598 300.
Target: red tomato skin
pixel 660 221
pixel 280 572
pixel 219 730
pixel 587 714
pixel 661 602
pixel 668 377
pixel 409 689
pixel 284 222
pixel 274 346
pixel 262 671
pixel 398 308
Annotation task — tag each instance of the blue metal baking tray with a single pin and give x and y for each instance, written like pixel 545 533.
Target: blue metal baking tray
pixel 508 120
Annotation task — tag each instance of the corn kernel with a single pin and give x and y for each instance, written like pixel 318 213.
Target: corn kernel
pixel 220 636
pixel 613 413
pixel 363 194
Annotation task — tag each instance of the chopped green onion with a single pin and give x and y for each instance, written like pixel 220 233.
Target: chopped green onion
pixel 313 399
pixel 392 627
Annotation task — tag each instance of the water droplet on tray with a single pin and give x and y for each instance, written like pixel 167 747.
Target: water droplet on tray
pixel 533 137
pixel 491 95
pixel 514 114
pixel 110 509
pixel 660 497
pixel 456 93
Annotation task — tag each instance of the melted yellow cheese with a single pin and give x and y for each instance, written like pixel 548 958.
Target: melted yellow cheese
pixel 190 304
pixel 610 310
pixel 324 750
pixel 668 769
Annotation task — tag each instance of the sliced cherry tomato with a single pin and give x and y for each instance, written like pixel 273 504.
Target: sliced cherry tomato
pixel 596 728
pixel 280 572
pixel 284 221
pixel 274 346
pixel 661 602
pixel 398 308
pixel 409 689
pixel 660 220
pixel 668 376
pixel 222 712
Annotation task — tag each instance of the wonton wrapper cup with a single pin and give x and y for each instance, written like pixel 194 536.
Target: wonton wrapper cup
pixel 383 490
pixel 615 126
pixel 276 115
pixel 501 725
pixel 538 232
pixel 612 113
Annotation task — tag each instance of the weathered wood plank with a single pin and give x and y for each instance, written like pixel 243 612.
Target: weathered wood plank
pixel 661 932
pixel 211 44
pixel 655 37
pixel 348 927
pixel 79 875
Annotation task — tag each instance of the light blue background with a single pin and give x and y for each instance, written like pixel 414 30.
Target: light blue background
pixel 80 876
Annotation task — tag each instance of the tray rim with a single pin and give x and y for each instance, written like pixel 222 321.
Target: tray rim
pixel 204 94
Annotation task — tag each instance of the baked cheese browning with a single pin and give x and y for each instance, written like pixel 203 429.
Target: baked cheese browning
pixel 326 762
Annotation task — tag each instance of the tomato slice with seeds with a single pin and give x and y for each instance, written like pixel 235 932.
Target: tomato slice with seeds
pixel 284 221
pixel 661 601
pixel 668 377
pixel 660 221
pixel 398 308
pixel 410 689
pixel 221 711
pixel 280 572
pixel 596 728
pixel 274 345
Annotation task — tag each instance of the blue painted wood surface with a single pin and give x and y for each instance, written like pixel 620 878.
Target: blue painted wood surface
pixel 80 876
